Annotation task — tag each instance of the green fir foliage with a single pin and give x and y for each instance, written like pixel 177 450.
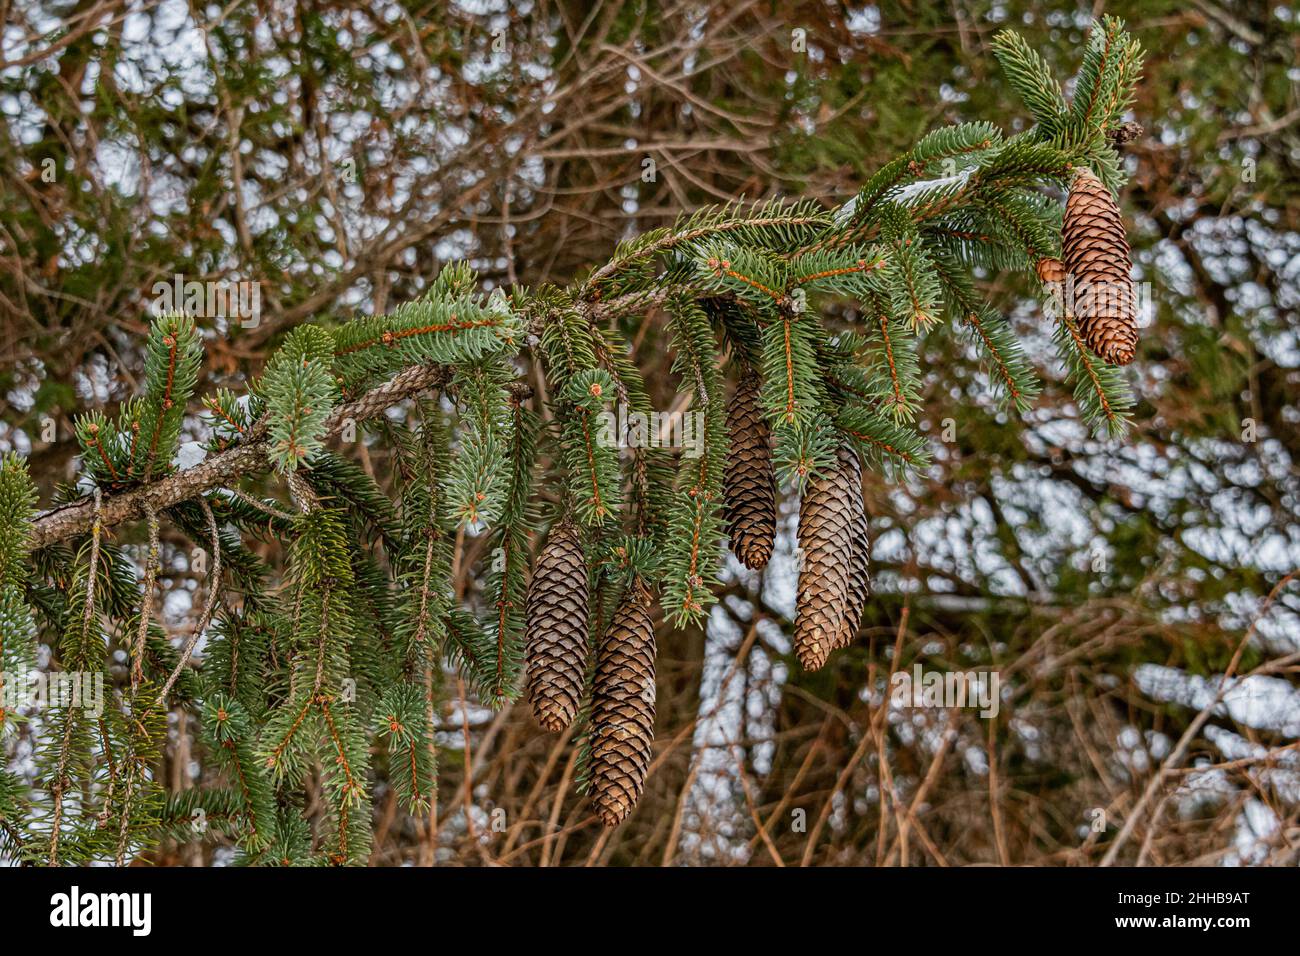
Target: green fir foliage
pixel 299 392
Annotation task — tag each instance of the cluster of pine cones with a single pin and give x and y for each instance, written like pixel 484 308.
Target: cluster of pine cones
pixel 623 688
pixel 834 554
pixel 834 548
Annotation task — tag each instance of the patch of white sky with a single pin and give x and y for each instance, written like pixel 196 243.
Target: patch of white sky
pixel 743 710
pixel 1255 835
pixel 1208 788
pixel 1137 752
pixel 1258 701
pixel 864 20
pixel 735 719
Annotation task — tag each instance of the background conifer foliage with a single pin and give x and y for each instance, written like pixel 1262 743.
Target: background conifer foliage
pixel 337 346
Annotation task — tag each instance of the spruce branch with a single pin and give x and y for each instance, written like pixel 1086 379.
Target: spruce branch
pixel 246 458
pixel 306 670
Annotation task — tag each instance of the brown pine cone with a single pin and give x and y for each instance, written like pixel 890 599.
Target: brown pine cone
pixel 556 630
pixel 623 709
pixel 1051 270
pixel 825 547
pixel 749 485
pixel 1096 254
pixel 859 580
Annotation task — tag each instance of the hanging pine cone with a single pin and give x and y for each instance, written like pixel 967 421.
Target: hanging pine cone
pixel 623 709
pixel 1051 271
pixel 556 630
pixel 749 485
pixel 859 580
pixel 1096 254
pixel 825 546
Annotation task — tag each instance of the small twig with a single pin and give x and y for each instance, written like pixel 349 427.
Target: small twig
pixel 303 496
pixel 151 564
pixel 214 591
pixel 260 505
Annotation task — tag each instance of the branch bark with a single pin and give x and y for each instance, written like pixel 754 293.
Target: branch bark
pixel 220 470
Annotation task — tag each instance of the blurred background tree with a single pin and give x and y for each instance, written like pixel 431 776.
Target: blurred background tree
pixel 340 155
